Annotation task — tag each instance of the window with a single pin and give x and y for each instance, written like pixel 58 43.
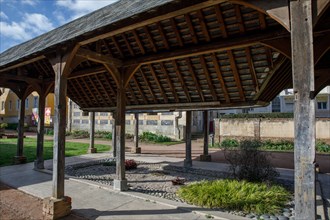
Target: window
pixel 2 105
pixel 27 103
pixel 167 122
pixel 84 121
pixel 322 105
pixel 276 105
pixel 75 106
pixel 151 122
pixel 76 114
pixel 18 104
pixel 167 113
pixel 104 122
pixel 76 121
pixel 35 102
pixel 10 104
pixel 128 122
pixel 103 114
pixel 140 122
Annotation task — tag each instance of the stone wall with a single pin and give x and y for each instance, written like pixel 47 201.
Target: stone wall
pixel 276 128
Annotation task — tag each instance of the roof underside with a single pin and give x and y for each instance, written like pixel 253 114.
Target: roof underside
pixel 216 56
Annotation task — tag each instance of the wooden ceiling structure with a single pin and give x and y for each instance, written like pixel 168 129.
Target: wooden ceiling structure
pixel 176 55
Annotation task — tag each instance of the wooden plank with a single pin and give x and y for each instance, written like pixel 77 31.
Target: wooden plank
pixel 220 78
pixel 236 74
pixel 128 46
pixel 239 19
pixel 214 46
pixel 194 77
pixel 252 70
pixel 91 131
pixel 130 90
pixel 106 45
pixel 87 97
pixel 136 131
pixel 87 72
pixel 78 93
pixel 178 73
pixel 188 160
pixel 163 69
pixel 140 90
pixel 152 71
pixel 39 163
pixel 203 25
pixel 138 41
pixel 112 90
pixel 98 57
pixel 148 86
pixel 117 46
pixel 304 108
pixel 96 101
pixel 206 132
pixel 191 29
pixel 20 127
pixel 208 79
pixel 105 91
pixel 95 87
pixel 221 21
pixel 150 40
pixel 176 31
pixel 162 34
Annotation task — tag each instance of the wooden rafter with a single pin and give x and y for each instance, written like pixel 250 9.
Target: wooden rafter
pixel 150 40
pixel 269 57
pixel 95 87
pixel 162 34
pixel 81 98
pixel 82 89
pixel 176 31
pixel 191 29
pixel 239 18
pixel 105 91
pixel 110 87
pixel 194 77
pixel 101 84
pixel 262 21
pixel 220 77
pixel 236 74
pixel 128 45
pixel 221 21
pixel 86 72
pixel 90 91
pixel 154 75
pixel 146 81
pixel 178 73
pixel 203 25
pixel 98 57
pixel 130 90
pixel 117 46
pixel 163 69
pixel 139 88
pixel 138 41
pixel 106 45
pixel 208 79
pixel 252 69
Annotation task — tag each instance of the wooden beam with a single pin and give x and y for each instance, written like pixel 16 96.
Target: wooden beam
pixel 87 72
pixel 21 78
pixel 194 77
pixel 130 90
pixel 130 50
pixel 162 34
pixel 98 57
pixel 146 81
pixel 140 90
pixel 203 25
pixel 114 72
pixel 281 45
pixel 24 63
pixel 105 91
pixel 188 161
pixel 95 87
pixel 236 74
pixel 220 78
pixel 83 91
pixel 163 69
pixel 214 46
pixel 112 90
pixel 262 21
pixel 90 91
pixel 81 98
pixel 304 108
pixel 239 19
pixel 208 78
pixel 150 40
pixel 117 46
pixel 191 29
pixel 252 70
pixel 221 21
pixel 176 31
pixel 138 41
pixel 39 162
pixel 178 73
pixel 157 82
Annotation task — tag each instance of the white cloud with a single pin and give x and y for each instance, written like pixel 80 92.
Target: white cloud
pixel 30 26
pixel 3 15
pixel 30 2
pixel 82 7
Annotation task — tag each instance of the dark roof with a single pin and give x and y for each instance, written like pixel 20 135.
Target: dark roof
pixel 100 18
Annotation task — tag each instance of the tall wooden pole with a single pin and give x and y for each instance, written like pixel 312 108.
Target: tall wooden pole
pixel 304 110
pixel 120 183
pixel 188 161
pixel 91 148
pixel 136 149
pixel 19 158
pixel 205 156
pixel 113 141
pixel 39 163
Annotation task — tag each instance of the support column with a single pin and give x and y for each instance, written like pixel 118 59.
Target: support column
pixel 39 162
pixel 58 205
pixel 113 141
pixel 136 149
pixel 91 148
pixel 205 156
pixel 304 108
pixel 20 158
pixel 120 183
pixel 188 161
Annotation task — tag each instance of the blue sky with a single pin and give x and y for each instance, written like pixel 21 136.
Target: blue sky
pixel 22 20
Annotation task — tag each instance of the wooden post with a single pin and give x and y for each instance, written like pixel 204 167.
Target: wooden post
pixel 120 183
pixel 205 156
pixel 304 110
pixel 91 148
pixel 136 148
pixel 188 161
pixel 19 158
pixel 113 141
pixel 39 162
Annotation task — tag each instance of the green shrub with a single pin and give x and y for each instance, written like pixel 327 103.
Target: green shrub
pixel 282 145
pixel 250 164
pixel 322 147
pixel 103 134
pixel 259 115
pixel 151 137
pixel 80 134
pixel 3 125
pixel 229 143
pixel 236 195
pixel 49 132
pixel 12 126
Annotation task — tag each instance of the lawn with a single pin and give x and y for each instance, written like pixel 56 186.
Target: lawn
pixel 8 149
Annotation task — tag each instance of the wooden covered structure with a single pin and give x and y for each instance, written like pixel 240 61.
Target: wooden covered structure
pixel 179 55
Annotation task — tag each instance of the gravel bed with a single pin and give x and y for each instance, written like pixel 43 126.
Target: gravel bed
pixel 155 179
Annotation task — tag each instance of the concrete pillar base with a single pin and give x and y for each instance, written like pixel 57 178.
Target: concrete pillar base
pixel 136 150
pixel 92 150
pixel 205 158
pixel 187 163
pixel 56 208
pixel 19 159
pixel 120 185
pixel 39 165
